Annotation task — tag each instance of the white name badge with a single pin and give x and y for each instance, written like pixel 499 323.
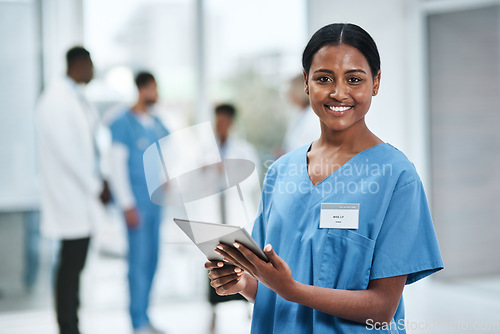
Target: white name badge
pixel 339 215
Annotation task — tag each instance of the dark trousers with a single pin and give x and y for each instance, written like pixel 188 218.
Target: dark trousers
pixel 71 261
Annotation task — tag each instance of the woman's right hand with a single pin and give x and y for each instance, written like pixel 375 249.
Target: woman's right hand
pixel 225 278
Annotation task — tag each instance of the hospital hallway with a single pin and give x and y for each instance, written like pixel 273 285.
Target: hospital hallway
pixel 179 302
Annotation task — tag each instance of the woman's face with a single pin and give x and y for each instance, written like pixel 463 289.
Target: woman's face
pixel 340 85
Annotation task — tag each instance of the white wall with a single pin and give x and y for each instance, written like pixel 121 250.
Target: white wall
pixel 29 58
pixel 19 87
pixel 62 28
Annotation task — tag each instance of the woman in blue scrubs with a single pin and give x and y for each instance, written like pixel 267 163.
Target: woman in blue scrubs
pixel 344 220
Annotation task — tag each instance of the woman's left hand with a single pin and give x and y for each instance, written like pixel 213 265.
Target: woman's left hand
pixel 275 274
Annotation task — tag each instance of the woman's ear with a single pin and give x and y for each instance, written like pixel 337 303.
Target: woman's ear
pixel 376 83
pixel 306 84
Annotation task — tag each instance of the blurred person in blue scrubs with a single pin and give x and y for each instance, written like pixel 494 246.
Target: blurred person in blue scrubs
pixel 133 132
pixel 31 221
pixel 72 188
pixel 344 221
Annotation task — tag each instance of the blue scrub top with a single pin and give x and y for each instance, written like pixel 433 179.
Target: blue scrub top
pixel 395 235
pixel 127 130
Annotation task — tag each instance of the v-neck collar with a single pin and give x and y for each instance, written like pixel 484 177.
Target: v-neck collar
pixel 348 162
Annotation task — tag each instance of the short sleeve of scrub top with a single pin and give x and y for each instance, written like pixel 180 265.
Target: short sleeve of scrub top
pixel 395 235
pixel 121 130
pixel 406 243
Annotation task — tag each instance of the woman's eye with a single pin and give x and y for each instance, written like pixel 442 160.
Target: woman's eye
pixel 323 79
pixel 354 80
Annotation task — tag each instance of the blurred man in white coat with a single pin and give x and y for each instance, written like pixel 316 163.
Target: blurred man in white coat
pixel 73 191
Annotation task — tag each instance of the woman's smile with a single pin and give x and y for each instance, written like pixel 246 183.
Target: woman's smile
pixel 338 111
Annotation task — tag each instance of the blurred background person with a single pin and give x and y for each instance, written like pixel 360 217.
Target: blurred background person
pixel 31 221
pixel 133 132
pixel 304 126
pixel 72 187
pixel 230 147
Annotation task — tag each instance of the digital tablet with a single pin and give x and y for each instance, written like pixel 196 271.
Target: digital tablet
pixel 206 236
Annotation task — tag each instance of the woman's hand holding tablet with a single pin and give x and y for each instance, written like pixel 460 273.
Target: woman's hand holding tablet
pixel 275 274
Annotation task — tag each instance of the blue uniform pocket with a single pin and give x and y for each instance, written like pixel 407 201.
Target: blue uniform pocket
pixel 346 261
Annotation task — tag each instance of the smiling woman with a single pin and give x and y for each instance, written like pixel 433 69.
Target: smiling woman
pixel 340 256
pixel 340 83
pixel 341 73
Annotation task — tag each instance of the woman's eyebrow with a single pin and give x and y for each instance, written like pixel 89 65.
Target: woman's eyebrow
pixel 355 70
pixel 324 70
pixel 346 72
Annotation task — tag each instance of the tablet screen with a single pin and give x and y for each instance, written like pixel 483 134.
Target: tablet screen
pixel 206 236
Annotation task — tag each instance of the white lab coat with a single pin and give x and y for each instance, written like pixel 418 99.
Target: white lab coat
pixel 302 130
pixel 241 204
pixel 70 181
pixel 236 148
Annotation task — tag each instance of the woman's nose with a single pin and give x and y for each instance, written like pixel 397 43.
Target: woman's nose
pixel 339 92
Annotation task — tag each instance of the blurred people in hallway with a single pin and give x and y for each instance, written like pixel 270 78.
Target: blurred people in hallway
pixel 230 147
pixel 133 132
pixel 304 127
pixel 72 186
